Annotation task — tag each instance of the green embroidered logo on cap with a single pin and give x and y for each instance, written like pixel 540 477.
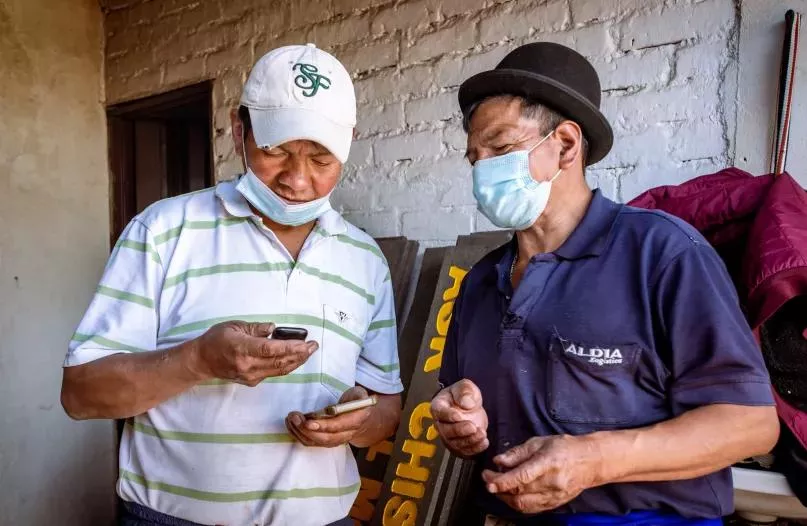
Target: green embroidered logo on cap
pixel 309 80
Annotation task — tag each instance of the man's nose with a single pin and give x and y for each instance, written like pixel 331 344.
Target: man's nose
pixel 295 173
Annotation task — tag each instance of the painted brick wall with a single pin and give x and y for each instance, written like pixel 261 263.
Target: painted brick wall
pixel 668 69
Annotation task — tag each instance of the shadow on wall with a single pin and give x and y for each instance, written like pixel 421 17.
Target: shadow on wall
pixel 16 86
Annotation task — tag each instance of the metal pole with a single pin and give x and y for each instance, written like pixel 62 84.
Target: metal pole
pixel 786 84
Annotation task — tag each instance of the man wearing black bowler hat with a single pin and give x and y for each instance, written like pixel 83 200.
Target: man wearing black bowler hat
pixel 598 366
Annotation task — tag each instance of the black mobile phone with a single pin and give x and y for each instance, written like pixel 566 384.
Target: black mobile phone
pixel 289 333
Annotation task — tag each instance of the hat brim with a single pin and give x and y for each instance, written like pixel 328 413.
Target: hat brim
pixel 544 90
pixel 277 126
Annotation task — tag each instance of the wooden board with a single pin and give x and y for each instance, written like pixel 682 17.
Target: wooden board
pixel 372 462
pixel 405 280
pixel 492 239
pixel 400 254
pixel 393 249
pixel 422 484
pixel 412 335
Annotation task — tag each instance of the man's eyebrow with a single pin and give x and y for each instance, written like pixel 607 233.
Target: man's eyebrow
pixel 319 149
pixel 496 133
pixel 491 135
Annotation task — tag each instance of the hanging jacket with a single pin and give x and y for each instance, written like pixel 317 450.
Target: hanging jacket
pixel 759 227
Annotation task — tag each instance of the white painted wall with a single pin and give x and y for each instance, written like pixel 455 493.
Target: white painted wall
pixel 668 68
pixel 54 229
pixel 761 41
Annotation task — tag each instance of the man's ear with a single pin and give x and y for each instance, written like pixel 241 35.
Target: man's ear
pixel 571 138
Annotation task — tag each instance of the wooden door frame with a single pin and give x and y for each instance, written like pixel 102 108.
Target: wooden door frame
pixel 120 132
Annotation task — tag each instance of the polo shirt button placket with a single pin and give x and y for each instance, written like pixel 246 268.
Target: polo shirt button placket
pixel 510 340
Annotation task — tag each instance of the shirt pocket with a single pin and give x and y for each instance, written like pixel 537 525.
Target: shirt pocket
pixel 342 337
pixel 592 384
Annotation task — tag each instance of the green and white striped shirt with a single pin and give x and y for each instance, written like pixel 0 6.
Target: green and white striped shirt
pixel 220 453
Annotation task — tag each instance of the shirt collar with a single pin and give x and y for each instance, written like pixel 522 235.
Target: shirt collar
pixel 594 232
pixel 589 238
pixel 231 199
pixel 331 223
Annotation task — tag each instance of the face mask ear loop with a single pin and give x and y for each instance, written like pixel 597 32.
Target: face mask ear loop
pixel 539 143
pixel 244 147
pixel 547 136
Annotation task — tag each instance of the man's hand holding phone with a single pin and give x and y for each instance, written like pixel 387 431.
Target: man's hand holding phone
pixel 331 431
pixel 248 353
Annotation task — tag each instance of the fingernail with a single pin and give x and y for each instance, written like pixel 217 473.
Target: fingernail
pixel 466 402
pixel 492 488
pixel 296 420
pixel 313 426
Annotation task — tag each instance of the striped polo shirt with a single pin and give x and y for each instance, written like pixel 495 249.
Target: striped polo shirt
pixel 220 452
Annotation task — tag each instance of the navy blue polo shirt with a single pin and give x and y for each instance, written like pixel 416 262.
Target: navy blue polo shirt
pixel 632 321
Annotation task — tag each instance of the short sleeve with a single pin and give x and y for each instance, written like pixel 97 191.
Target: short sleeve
pixel 712 354
pixel 122 316
pixel 378 368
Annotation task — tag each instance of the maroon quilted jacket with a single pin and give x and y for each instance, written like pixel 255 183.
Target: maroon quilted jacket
pixel 759 227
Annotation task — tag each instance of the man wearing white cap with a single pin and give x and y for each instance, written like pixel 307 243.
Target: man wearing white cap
pixel 225 316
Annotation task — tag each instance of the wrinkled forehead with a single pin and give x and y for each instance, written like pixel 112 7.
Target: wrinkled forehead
pixel 496 116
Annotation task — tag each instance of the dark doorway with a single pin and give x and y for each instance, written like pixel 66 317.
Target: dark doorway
pixel 159 147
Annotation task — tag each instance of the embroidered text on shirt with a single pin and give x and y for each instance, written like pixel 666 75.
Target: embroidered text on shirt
pixel 596 355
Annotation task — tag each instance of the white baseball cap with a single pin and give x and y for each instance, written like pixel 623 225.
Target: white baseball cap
pixel 301 93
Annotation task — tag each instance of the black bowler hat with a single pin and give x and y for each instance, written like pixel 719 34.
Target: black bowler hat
pixel 555 76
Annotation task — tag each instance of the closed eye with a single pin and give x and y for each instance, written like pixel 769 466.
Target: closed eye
pixel 503 148
pixel 322 161
pixel 273 152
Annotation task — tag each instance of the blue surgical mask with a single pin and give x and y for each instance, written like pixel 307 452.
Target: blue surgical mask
pixel 275 207
pixel 505 191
